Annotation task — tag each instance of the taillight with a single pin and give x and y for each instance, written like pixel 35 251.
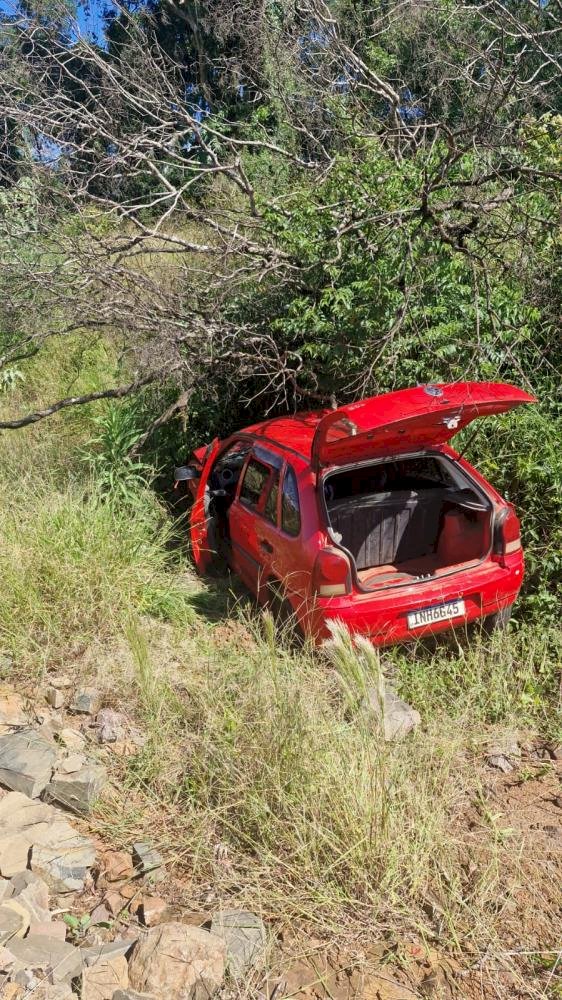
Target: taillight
pixel 507 533
pixel 331 576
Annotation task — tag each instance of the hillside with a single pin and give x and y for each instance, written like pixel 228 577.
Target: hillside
pixel 426 867
pixel 213 214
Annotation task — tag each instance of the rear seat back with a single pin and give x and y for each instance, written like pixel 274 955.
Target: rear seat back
pixel 383 528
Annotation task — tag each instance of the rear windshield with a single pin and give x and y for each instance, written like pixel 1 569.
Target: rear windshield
pixel 422 472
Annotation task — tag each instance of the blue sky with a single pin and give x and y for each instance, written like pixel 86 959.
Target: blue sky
pixel 90 15
pixel 90 18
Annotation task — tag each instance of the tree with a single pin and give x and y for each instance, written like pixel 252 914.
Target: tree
pixel 381 198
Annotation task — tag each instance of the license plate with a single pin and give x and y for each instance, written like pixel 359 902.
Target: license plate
pixel 439 613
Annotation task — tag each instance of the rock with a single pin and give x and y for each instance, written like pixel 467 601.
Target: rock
pixel 111 726
pixel 557 801
pixel 27 979
pixel 399 718
pixel 500 762
pixel 72 739
pixel 153 910
pixel 31 829
pixel 87 701
pixel 50 928
pixel 245 937
pixel 54 697
pixel 14 855
pixel 27 760
pixel 6 960
pixel 504 745
pixel 12 712
pixel 178 962
pixel 112 949
pixel 132 995
pixel 11 924
pixel 63 857
pixel 21 913
pixel 60 680
pixel 99 981
pixel 57 991
pixel 71 764
pixel 22 880
pixel 79 788
pixel 148 861
pixel 33 896
pixel 12 991
pixel 115 866
pixel 61 960
pixel 48 723
pixel 6 889
pixel 100 915
pixel 114 902
pixel 129 889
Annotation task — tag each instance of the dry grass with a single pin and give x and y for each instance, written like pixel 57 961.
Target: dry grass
pixel 264 782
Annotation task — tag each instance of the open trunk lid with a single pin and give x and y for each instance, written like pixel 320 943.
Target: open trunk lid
pixel 422 417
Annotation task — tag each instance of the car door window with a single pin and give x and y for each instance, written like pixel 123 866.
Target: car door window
pixel 228 466
pixel 290 507
pixel 254 483
pixel 270 509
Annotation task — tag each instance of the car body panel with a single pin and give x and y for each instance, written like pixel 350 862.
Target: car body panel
pixel 249 557
pixel 199 525
pixel 424 417
pixel 382 615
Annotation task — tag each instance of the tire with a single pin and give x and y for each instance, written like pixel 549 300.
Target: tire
pixel 499 621
pixel 283 613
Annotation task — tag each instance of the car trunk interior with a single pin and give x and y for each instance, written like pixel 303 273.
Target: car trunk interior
pixel 408 520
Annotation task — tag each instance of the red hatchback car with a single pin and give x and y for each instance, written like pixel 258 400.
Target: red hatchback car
pixel 364 514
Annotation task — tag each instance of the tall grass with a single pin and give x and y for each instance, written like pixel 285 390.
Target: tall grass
pixel 75 564
pixel 83 542
pixel 267 753
pixel 257 748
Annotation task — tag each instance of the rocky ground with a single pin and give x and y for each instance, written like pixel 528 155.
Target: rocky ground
pixel 80 917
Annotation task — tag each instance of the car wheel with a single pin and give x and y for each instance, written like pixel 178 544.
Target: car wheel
pixel 282 611
pixel 499 621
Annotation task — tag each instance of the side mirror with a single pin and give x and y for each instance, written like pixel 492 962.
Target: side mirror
pixel 185 472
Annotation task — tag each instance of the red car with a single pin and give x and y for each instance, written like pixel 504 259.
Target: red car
pixel 364 514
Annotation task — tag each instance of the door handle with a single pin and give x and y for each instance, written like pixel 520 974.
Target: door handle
pixel 266 546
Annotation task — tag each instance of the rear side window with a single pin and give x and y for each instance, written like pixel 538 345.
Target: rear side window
pixel 254 482
pixel 290 507
pixel 270 509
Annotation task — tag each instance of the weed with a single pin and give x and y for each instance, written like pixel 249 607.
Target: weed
pixel 108 454
pixel 77 926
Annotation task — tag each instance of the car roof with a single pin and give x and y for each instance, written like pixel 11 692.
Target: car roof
pixel 294 432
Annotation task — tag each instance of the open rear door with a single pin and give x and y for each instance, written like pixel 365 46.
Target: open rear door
pixel 424 417
pixel 199 519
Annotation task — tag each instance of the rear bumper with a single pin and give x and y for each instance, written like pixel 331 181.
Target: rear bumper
pixel 383 616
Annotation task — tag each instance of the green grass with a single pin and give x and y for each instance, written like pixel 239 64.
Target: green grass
pixel 77 559
pixel 75 566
